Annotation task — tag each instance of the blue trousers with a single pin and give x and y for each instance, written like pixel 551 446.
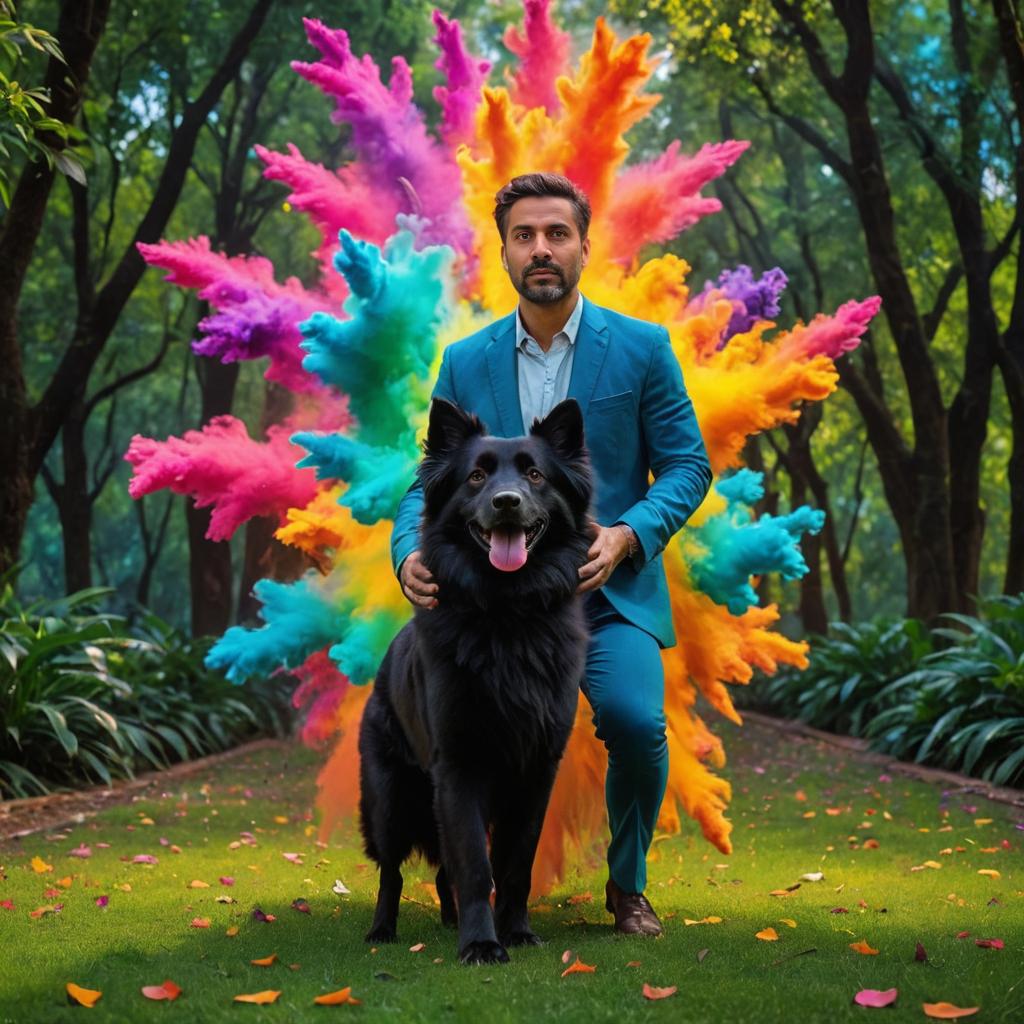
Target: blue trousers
pixel 625 685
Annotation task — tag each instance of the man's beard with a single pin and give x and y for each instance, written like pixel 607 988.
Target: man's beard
pixel 546 294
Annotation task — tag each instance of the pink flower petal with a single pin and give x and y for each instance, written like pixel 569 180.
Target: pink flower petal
pixel 226 880
pixel 875 997
pixel 82 851
pixel 144 858
pixel 102 901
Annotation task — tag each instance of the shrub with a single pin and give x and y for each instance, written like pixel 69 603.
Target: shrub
pixel 952 696
pixel 85 698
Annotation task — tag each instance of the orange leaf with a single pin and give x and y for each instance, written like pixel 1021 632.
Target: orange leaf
pixel 779 892
pixel 768 935
pixel 863 947
pixel 788 922
pixel 200 922
pixel 947 1011
pixel 265 962
pixel 650 992
pixel 418 948
pixel 260 998
pixel 232 931
pixel 168 990
pixel 989 872
pixel 633 963
pixel 578 967
pixel 343 995
pixel 583 897
pixel 82 996
pixel 65 883
pixel 197 883
pixel 40 867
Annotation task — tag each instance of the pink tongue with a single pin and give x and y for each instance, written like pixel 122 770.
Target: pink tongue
pixel 508 549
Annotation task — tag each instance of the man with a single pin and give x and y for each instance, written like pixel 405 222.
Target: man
pixel 638 420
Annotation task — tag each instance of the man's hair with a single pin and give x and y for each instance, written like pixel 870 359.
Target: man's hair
pixel 541 183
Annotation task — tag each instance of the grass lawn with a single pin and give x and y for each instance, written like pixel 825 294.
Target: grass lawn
pixel 799 807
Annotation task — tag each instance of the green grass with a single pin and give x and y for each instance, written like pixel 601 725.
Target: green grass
pixel 144 935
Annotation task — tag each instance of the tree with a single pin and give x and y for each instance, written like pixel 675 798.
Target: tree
pixel 815 67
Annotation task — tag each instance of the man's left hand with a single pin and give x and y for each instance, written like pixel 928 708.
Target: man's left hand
pixel 611 545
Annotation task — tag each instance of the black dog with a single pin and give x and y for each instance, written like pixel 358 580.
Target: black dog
pixel 475 698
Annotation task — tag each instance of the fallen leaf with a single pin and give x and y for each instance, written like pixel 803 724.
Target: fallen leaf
pixel 779 892
pixel 102 901
pixel 567 956
pixel 225 899
pixel 226 880
pixel 650 992
pixel 839 910
pixel 630 963
pixel 82 996
pixel 82 851
pixel 40 867
pixel 198 884
pixel 124 887
pixel 788 921
pixel 703 920
pixel 990 943
pixel 578 967
pixel 144 858
pixel 876 997
pixel 7 904
pixel 280 819
pixel 863 947
pixel 168 990
pixel 43 911
pixel 947 1011
pixel 583 897
pixel 265 961
pixel 340 888
pixel 260 998
pixel 989 873
pixel 982 821
pixel 343 995
pixel 258 915
pixel 199 922
pixel 813 876
pixel 767 935
pixel 232 931
pixel 301 906
pixel 418 948
pixel 919 954
pixel 295 858
pixel 701 954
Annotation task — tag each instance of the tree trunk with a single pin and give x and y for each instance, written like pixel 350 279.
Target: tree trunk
pixel 78 33
pixel 75 505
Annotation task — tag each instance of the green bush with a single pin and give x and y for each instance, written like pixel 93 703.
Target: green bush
pixel 952 696
pixel 85 698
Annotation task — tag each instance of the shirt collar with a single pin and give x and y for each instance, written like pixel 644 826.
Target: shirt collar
pixel 571 328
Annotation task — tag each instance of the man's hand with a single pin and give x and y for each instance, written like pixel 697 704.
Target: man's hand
pixel 611 545
pixel 417 582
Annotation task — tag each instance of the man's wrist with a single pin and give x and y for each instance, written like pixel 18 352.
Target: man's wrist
pixel 632 541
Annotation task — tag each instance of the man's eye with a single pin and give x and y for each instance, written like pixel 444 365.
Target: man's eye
pixel 534 475
pixel 478 476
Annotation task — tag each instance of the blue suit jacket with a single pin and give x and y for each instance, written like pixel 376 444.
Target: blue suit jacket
pixel 638 420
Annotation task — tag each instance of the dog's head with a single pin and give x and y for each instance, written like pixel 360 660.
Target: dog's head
pixel 513 497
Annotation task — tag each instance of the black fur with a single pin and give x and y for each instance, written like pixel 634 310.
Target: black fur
pixel 475 698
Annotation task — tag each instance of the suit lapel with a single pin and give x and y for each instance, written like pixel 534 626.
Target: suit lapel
pixel 591 348
pixel 501 365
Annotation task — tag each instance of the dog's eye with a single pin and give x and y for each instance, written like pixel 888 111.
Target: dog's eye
pixel 478 476
pixel 534 475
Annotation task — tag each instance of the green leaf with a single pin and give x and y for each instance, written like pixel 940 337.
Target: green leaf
pixel 68 740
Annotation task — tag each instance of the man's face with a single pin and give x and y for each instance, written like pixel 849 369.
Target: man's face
pixel 543 252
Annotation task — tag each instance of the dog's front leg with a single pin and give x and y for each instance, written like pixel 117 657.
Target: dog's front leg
pixel 459 806
pixel 517 826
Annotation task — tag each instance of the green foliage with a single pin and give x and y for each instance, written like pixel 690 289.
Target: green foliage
pixel 83 697
pixel 952 697
pixel 24 124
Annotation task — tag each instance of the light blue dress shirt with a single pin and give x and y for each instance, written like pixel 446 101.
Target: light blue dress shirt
pixel 544 376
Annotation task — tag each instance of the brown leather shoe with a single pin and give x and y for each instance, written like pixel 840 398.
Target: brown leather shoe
pixel 633 914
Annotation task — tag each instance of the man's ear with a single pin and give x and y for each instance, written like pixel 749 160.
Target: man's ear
pixel 504 258
pixel 586 252
pixel 562 428
pixel 449 428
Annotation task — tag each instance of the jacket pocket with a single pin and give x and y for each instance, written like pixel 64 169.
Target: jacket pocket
pixel 598 406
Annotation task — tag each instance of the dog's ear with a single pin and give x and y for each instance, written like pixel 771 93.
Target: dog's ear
pixel 449 428
pixel 562 428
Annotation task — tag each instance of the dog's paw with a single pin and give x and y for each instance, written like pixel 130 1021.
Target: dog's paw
pixel 484 952
pixel 382 934
pixel 523 938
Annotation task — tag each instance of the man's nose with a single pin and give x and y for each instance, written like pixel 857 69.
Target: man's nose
pixel 541 249
pixel 505 500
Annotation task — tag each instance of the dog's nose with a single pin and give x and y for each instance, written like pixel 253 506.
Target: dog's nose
pixel 505 500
